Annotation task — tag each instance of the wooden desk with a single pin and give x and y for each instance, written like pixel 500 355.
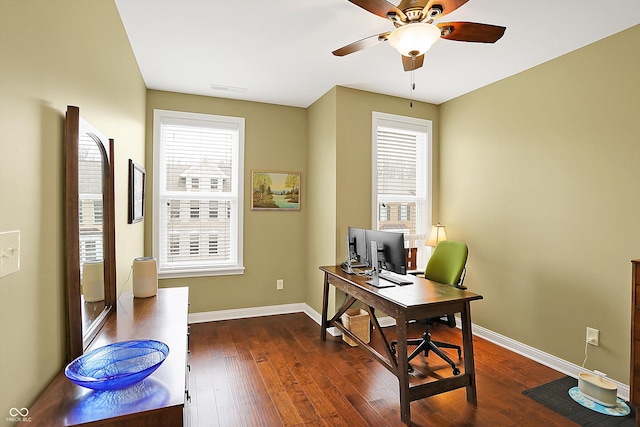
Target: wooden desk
pixel 156 401
pixel 420 300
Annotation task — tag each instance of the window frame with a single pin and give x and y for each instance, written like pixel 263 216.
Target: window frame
pixel 237 197
pixel 423 221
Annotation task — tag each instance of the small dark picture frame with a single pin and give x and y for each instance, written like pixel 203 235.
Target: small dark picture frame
pixel 137 177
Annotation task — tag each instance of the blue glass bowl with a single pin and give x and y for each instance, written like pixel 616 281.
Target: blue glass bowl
pixel 118 365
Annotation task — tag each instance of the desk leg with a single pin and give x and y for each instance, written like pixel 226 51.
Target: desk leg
pixel 467 343
pixel 325 306
pixel 403 369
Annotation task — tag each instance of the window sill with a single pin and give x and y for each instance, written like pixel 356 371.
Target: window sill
pixel 178 274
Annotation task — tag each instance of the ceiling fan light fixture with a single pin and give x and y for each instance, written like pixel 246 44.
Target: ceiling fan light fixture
pixel 414 39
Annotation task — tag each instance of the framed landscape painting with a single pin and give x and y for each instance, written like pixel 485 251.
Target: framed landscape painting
pixel 137 177
pixel 278 191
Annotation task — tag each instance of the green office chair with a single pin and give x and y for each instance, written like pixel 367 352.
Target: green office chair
pixel 446 265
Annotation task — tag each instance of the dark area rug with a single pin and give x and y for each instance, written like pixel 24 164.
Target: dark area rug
pixel 555 395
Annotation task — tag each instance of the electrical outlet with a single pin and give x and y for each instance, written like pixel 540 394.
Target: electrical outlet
pixel 280 284
pixel 593 336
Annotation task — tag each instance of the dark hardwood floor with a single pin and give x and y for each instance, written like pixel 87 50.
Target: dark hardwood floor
pixel 275 371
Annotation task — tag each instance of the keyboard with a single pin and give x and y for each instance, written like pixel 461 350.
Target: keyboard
pixel 380 284
pixel 398 279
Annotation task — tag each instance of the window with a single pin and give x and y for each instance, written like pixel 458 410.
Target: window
pixel 213 209
pixel 90 218
pixel 90 212
pixel 213 244
pixel 198 165
pixel 401 174
pixel 195 183
pixel 195 209
pixel 174 245
pixel 90 250
pixel 404 213
pixel 174 209
pixel 383 212
pixel 194 244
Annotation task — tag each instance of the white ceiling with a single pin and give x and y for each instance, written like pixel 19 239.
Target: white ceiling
pixel 279 51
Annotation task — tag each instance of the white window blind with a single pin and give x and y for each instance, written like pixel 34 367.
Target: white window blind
pixel 401 174
pixel 90 190
pixel 198 165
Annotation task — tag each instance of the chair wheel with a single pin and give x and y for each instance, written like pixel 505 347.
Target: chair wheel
pixel 393 349
pixel 456 371
pixel 410 369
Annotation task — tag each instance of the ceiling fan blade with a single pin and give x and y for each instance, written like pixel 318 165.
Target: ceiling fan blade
pixel 411 64
pixel 471 32
pixel 447 6
pixel 361 44
pixel 379 7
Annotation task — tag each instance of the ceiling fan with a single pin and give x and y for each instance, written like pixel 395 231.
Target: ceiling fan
pixel 416 30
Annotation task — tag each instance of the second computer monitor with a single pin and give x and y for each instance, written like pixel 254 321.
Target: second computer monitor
pixel 391 254
pixel 358 247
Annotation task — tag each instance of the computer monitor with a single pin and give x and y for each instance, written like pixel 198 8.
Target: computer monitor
pixel 358 247
pixel 391 255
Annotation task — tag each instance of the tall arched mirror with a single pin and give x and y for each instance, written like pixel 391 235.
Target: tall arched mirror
pixel 90 230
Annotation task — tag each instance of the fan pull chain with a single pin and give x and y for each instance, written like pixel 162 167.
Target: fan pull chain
pixel 413 84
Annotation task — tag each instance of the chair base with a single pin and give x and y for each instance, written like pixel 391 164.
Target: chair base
pixel 425 344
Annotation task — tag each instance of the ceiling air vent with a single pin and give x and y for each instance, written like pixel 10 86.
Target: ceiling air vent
pixel 228 88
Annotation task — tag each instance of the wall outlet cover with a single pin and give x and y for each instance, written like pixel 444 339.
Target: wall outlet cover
pixel 9 252
pixel 593 336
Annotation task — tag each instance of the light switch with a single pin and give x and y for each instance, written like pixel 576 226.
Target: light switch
pixel 9 252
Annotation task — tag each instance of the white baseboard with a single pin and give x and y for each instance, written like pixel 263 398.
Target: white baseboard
pixel 242 313
pixel 539 356
pixel 529 352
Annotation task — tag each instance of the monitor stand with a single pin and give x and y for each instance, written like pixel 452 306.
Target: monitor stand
pixel 346 266
pixel 375 270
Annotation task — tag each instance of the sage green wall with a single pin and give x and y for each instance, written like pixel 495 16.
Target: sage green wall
pixel 354 142
pixel 539 175
pixel 55 53
pixel 340 143
pixel 322 184
pixel 274 242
